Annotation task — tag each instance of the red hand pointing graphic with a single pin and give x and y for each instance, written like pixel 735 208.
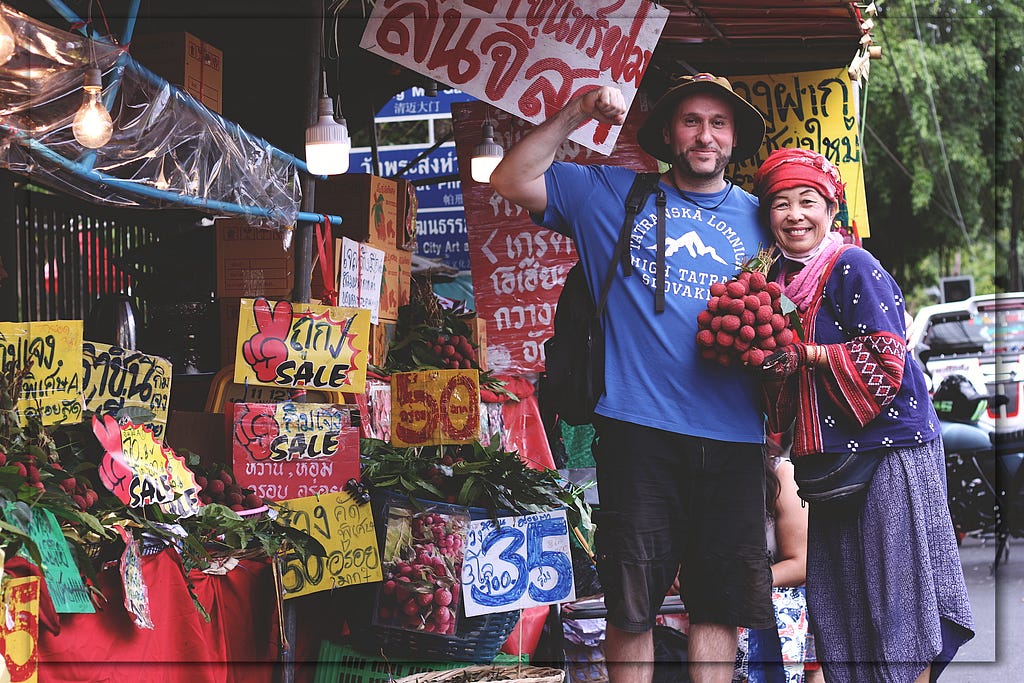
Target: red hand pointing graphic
pixel 266 349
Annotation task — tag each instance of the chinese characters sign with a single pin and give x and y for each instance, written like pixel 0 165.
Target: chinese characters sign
pixel 435 407
pixel 528 59
pixel 52 389
pixel 294 450
pixel 114 378
pixel 302 345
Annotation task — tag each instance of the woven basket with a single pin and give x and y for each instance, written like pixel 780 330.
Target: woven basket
pixel 478 674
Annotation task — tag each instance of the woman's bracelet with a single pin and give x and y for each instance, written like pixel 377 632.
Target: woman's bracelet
pixel 816 354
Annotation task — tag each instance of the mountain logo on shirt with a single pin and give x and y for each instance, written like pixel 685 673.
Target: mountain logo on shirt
pixel 692 242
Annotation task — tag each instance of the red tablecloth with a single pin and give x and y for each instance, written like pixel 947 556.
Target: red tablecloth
pixel 239 643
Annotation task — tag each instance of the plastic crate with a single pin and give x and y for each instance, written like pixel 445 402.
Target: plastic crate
pixel 343 664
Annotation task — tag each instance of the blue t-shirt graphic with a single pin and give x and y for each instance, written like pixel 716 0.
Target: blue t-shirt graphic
pixel 654 374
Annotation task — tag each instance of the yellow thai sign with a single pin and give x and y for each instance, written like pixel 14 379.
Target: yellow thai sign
pixel 435 407
pixel 52 388
pixel 346 531
pixel 114 378
pixel 814 110
pixel 282 344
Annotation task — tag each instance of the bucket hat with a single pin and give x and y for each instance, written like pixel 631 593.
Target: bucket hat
pixel 750 125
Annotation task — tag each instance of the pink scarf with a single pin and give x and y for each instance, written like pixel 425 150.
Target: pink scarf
pixel 803 286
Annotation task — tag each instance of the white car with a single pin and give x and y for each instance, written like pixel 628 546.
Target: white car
pixel 981 338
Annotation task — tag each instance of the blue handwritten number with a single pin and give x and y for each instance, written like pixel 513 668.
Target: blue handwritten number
pixel 511 555
pixel 538 558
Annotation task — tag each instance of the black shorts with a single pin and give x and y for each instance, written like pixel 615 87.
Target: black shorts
pixel 668 502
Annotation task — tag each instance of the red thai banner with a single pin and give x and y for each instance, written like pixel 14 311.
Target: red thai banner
pixel 518 268
pixel 528 59
pixel 294 450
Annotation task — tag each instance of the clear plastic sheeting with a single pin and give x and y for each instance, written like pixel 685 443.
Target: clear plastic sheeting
pixel 163 139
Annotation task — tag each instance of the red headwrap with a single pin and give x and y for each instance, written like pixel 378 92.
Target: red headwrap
pixel 785 169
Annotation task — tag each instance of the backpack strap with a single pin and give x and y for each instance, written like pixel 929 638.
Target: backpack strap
pixel 642 186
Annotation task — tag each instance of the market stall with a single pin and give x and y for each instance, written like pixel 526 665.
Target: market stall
pixel 363 447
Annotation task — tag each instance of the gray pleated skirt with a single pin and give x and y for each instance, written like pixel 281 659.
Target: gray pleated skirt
pixel 885 587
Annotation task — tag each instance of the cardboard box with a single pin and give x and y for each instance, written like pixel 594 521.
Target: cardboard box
pixel 478 338
pixel 252 262
pixel 381 336
pixel 185 61
pixel 228 311
pixel 396 285
pixel 372 208
pixel 407 239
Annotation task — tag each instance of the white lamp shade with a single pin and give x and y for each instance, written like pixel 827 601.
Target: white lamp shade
pixel 327 143
pixel 481 168
pixel 486 156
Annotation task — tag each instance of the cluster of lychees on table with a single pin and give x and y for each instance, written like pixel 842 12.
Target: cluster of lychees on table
pixel 421 582
pixel 218 486
pixel 747 317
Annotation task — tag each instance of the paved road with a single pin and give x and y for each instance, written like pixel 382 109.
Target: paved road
pixel 996 654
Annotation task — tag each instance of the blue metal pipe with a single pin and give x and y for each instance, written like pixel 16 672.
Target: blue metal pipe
pixel 211 205
pixel 69 15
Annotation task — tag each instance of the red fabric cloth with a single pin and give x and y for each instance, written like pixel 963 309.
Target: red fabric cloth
pixel 526 432
pixel 239 643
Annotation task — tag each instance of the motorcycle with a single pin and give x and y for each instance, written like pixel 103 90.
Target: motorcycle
pixel 984 472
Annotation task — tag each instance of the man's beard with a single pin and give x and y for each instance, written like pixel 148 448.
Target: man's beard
pixel 683 164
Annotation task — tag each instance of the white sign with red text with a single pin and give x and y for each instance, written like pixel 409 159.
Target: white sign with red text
pixel 526 58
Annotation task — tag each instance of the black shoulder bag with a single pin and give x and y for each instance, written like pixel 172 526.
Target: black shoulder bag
pixel 573 379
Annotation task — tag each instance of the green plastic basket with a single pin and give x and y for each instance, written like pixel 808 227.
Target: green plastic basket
pixel 343 664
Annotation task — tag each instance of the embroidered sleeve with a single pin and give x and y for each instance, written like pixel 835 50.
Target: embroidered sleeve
pixel 865 374
pixel 780 403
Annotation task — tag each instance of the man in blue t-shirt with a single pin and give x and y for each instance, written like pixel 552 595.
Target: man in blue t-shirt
pixel 679 451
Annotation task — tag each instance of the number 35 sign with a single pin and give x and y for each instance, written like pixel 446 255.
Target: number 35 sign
pixel 435 407
pixel 518 562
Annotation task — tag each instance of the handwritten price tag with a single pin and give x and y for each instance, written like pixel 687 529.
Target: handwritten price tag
pixel 346 531
pixel 518 562
pixel 435 407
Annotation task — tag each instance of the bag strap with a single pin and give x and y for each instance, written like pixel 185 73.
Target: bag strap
pixel 642 186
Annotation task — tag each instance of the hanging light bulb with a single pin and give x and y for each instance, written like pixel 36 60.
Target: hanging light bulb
pixel 92 125
pixel 7 41
pixel 486 155
pixel 327 141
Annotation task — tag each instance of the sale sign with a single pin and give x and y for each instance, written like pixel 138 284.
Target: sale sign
pixel 528 59
pixel 302 345
pixel 346 531
pixel 137 468
pixel 294 450
pixel 517 562
pixel 434 407
pixel 519 267
pixel 52 351
pixel 114 378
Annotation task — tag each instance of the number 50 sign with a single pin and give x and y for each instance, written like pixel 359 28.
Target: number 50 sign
pixel 518 562
pixel 435 407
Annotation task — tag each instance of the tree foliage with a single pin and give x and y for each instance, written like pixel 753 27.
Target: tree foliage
pixel 942 142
